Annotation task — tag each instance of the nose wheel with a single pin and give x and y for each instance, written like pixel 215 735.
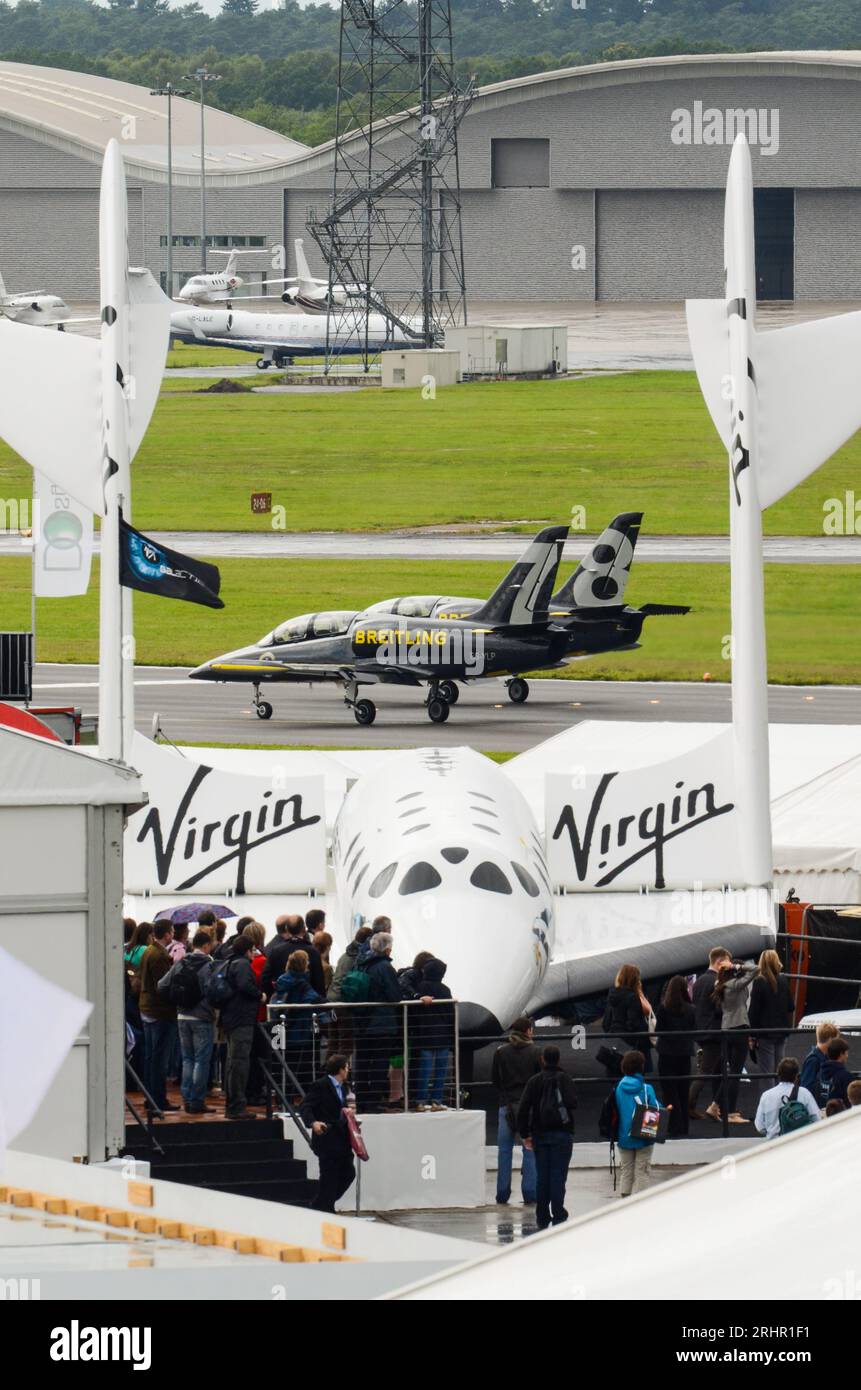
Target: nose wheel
pixel 262 708
pixel 364 711
pixel 518 690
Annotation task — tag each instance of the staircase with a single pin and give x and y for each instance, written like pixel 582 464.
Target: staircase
pixel 245 1158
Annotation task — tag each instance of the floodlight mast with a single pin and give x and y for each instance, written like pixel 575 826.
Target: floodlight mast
pixel 392 231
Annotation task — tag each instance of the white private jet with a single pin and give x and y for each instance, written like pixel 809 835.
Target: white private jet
pixel 311 294
pixel 220 286
pixel 33 307
pixel 278 338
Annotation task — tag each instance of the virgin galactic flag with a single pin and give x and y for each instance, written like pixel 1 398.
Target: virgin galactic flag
pixel 39 1022
pixel 153 569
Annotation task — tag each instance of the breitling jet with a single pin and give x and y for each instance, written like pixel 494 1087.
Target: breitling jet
pixel 589 605
pixel 508 634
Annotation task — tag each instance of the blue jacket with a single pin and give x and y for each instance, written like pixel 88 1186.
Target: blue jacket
pixel 834 1079
pixel 811 1073
pixel 296 989
pixel 629 1090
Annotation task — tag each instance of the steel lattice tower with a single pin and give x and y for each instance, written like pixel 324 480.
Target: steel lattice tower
pixel 393 228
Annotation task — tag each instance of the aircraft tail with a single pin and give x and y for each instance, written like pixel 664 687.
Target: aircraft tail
pixel 303 270
pixel 523 597
pixel 2 286
pixel 601 578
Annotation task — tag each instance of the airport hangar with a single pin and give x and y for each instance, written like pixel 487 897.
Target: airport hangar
pixel 590 157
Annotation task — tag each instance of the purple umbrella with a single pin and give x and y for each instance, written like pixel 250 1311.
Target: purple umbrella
pixel 190 912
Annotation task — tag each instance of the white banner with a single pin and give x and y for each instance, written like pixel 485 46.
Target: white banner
pixel 207 831
pixel 62 539
pixel 672 825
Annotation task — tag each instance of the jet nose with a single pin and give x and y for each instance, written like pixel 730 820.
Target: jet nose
pixel 202 673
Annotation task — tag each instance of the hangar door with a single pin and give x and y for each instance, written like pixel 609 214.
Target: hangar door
pixel 659 244
pixel 55 248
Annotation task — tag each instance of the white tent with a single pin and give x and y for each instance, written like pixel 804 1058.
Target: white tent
pixel 780 1221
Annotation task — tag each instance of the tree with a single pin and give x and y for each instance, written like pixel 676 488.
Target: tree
pixel 244 8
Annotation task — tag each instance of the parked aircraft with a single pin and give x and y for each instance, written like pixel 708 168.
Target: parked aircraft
pixel 280 337
pixel 510 633
pixel 218 287
pixel 312 294
pixel 33 307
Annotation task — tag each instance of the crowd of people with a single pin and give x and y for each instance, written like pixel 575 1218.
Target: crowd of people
pixel 194 998
pixel 740 1011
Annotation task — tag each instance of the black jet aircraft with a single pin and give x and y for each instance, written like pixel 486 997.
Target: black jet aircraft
pixel 507 634
pixel 589 605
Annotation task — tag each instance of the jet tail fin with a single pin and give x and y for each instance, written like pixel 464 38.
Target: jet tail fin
pixel 600 579
pixel 523 597
pixel 303 270
pixel 2 286
pixel 808 390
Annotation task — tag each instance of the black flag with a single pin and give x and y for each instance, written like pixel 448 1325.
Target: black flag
pixel 153 569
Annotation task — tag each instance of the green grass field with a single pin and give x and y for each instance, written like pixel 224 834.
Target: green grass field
pixel 814 614
pixel 513 452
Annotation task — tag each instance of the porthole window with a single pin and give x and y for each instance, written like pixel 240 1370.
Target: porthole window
pixel 490 877
pixel 362 873
pixel 454 854
pixel 525 879
pixel 413 828
pixel 419 879
pixel 382 881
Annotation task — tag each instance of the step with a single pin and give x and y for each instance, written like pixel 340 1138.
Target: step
pixel 206 1131
pixel 216 1173
pixel 243 1151
pixel 297 1192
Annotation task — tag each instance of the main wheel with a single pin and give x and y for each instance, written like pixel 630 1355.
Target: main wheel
pixel 365 712
pixel 448 691
pixel 264 710
pixel 263 363
pixel 438 710
pixel 518 690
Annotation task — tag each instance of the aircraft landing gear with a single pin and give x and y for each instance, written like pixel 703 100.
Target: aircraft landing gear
pixel 448 691
pixel 262 708
pixel 518 690
pixel 264 363
pixel 364 711
pixel 438 709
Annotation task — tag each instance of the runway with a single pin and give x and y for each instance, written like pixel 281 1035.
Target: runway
pixel 484 717
pixel 448 545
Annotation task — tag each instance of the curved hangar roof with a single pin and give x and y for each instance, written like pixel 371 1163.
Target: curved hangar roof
pixel 80 114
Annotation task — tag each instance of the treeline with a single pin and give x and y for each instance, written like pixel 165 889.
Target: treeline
pixel 279 66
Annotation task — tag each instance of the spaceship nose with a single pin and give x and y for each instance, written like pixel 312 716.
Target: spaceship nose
pixel 475 1021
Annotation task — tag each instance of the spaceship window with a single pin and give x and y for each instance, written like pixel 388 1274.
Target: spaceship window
pixel 490 877
pixel 484 811
pixel 413 828
pixel 489 828
pixel 482 796
pixel 411 811
pixel 454 854
pixel 526 880
pixel 408 796
pixel 419 879
pixel 382 881
pixel 362 873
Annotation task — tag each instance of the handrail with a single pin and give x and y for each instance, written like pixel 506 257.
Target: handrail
pixel 278 1089
pixel 152 1108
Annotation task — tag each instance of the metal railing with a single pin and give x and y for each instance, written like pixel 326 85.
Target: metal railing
pixel 152 1110
pixel 396 1063
pixel 719 1079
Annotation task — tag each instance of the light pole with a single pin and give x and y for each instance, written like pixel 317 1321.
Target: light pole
pixel 169 91
pixel 202 75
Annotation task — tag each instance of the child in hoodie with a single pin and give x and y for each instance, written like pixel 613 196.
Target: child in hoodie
pixel 635 1154
pixel 835 1077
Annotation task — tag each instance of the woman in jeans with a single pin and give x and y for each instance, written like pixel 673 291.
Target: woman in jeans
pixel 731 996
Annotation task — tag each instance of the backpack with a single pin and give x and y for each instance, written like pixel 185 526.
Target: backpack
pixel 184 988
pixel 356 987
pixel 219 990
pixel 552 1110
pixel 793 1114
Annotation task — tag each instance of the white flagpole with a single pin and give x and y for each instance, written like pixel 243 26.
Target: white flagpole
pixel 116 640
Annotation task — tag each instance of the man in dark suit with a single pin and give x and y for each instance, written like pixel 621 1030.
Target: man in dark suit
pixel 322 1112
pixel 707 1017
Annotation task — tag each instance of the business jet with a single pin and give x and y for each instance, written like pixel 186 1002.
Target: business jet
pixel 219 287
pixel 311 294
pixel 278 338
pixel 33 307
